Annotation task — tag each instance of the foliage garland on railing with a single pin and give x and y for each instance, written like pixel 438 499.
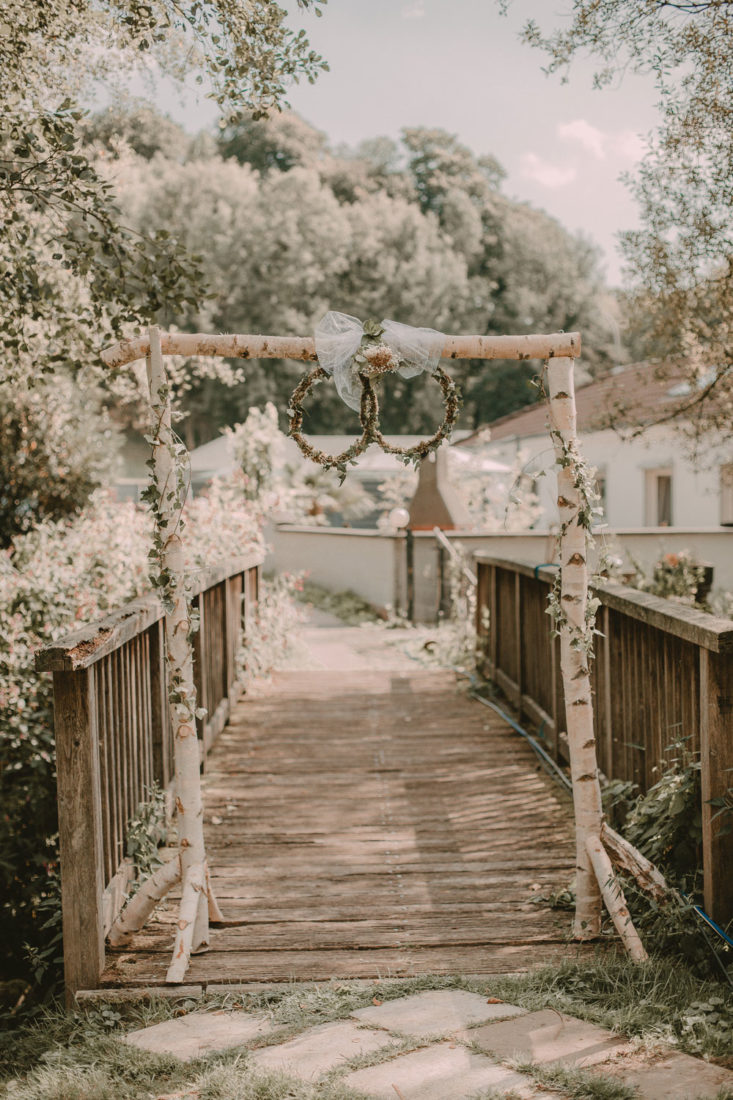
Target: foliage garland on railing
pixel 568 457
pixel 584 482
pixel 162 499
pixel 373 359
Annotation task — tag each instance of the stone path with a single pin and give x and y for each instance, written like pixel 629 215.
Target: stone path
pixel 437 1045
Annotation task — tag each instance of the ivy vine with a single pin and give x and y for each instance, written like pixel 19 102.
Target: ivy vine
pixel 166 502
pixel 569 457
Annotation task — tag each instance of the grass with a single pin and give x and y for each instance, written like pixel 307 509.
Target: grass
pixel 578 1084
pixel 347 606
pixel 63 1056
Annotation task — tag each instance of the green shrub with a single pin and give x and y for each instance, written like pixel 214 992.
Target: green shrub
pixel 665 824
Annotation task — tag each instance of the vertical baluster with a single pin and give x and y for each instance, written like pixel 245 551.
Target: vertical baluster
pixel 147 705
pixel 113 755
pixel 121 738
pixel 199 677
pixel 100 688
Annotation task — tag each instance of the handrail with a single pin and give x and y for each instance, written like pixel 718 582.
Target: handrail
pixel 687 623
pixel 84 646
pixel 114 738
pixel 662 674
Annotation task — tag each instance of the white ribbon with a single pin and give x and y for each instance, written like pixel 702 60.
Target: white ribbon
pixel 338 337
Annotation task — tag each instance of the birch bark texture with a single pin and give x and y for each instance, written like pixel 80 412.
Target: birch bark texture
pixel 574 620
pixel 575 644
pixel 189 867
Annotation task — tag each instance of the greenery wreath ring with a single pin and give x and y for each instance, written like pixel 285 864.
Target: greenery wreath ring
pixel 452 403
pixel 367 416
pixel 369 419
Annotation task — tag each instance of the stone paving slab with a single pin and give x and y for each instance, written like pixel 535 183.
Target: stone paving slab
pixel 199 1033
pixel 435 1012
pixel 676 1075
pixel 319 1049
pixel 547 1036
pixel 437 1073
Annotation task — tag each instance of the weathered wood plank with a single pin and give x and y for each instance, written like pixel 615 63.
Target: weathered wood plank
pixel 716 753
pixel 362 824
pixel 81 648
pixel 80 830
pixel 144 969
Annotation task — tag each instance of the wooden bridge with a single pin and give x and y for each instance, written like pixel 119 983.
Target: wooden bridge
pixel 367 823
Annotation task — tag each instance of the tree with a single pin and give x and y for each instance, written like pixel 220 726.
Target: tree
pixel 74 274
pixel 56 446
pixel 681 260
pixel 420 232
pixel 138 127
pixel 283 141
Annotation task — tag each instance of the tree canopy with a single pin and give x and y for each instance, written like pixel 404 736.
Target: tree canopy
pixel 74 273
pixel 420 231
pixel 681 260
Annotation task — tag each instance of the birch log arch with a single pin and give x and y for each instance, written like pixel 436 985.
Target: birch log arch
pixel 198 907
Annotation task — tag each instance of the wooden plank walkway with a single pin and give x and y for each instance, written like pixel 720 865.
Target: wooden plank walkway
pixel 371 824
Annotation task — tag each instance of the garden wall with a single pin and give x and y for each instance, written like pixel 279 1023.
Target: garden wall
pixel 374 565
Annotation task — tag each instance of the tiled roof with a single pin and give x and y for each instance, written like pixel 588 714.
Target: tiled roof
pixel 626 396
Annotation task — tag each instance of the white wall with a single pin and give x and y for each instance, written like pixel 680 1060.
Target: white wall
pixel 366 562
pixel 373 564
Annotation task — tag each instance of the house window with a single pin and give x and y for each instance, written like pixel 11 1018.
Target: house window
pixel 659 498
pixel 726 495
pixel 600 479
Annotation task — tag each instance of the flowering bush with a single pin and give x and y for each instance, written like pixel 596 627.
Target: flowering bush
pixel 270 638
pixel 58 576
pixel 52 579
pixel 675 577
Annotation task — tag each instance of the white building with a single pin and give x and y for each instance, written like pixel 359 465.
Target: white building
pixel 645 481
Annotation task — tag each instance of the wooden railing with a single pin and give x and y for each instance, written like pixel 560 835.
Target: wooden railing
pixel 663 673
pixel 113 740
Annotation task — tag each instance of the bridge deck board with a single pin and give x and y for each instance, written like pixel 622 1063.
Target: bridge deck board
pixel 368 825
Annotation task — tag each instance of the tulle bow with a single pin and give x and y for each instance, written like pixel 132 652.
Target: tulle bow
pixel 338 337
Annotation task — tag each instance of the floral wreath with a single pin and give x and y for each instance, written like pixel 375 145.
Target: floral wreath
pixel 357 356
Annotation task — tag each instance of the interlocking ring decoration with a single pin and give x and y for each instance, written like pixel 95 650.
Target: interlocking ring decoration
pixel 357 356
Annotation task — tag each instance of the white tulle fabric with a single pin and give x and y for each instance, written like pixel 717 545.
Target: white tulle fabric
pixel 337 340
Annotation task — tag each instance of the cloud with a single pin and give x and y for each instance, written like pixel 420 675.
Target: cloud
pixel 416 10
pixel 590 137
pixel 542 171
pixel 629 145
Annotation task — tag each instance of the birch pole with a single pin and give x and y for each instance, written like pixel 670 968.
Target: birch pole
pixel 189 866
pixel 574 616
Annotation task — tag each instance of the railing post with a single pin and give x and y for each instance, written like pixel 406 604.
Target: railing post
pixel 518 637
pixel 410 566
pixel 80 829
pixel 493 621
pixel 444 594
pixel 716 755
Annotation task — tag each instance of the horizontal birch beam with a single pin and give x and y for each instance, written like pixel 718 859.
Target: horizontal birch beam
pixel 554 345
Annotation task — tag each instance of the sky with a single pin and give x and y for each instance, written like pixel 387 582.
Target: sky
pixel 459 65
